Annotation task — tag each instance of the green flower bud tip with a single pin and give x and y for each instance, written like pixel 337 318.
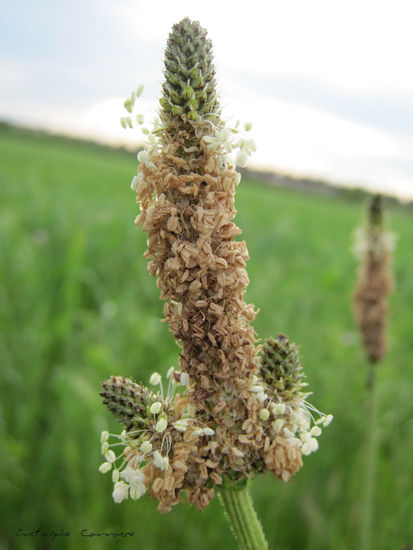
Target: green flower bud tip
pixel 375 211
pixel 189 90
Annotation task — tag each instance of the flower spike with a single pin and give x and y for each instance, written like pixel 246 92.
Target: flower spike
pixel 238 413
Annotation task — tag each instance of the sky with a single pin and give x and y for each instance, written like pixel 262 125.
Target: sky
pixel 327 84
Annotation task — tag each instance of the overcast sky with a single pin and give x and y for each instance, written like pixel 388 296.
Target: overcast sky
pixel 328 85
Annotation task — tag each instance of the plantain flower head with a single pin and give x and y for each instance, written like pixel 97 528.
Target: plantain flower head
pixel 229 412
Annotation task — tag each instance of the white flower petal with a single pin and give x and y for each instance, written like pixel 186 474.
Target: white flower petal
pixel 120 491
pixel 132 475
pixel 137 490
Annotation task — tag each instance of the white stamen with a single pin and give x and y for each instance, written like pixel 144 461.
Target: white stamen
pixel 161 462
pixel 110 456
pixel 315 430
pixel 155 379
pixel 156 407
pixel 328 420
pixel 105 467
pixel 120 491
pixel 146 447
pixel 277 425
pixel 278 408
pixel 181 425
pixel 161 425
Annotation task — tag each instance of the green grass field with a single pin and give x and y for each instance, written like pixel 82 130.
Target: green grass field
pixel 77 305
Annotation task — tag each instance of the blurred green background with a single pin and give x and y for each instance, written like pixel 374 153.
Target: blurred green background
pixel 77 305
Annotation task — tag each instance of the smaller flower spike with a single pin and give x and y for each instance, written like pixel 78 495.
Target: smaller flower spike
pixel 130 402
pixel 281 367
pixel 373 246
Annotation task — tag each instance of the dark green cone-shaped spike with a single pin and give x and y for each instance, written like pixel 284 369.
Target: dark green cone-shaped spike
pixel 375 211
pixel 189 90
pixel 128 401
pixel 281 367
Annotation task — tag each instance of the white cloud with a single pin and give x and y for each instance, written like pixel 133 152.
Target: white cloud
pixel 12 74
pixel 357 44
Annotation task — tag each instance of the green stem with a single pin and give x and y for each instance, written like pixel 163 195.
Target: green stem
pixel 244 522
pixel 370 461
